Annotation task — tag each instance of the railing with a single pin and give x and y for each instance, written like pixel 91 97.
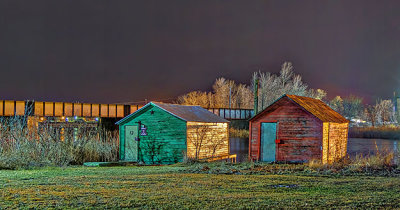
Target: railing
pixel 227 157
pixel 233 114
pixel 63 109
pixel 59 109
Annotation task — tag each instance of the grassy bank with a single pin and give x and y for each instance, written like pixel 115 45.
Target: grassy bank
pixel 382 132
pixel 174 187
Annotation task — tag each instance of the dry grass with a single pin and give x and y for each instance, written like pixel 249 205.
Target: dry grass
pixel 167 187
pixel 381 164
pixel 382 132
pixel 21 147
pixel 238 133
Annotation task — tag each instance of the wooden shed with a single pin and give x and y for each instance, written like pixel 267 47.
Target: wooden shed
pixel 298 129
pixel 162 133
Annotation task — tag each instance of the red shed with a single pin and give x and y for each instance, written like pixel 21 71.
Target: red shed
pixel 298 129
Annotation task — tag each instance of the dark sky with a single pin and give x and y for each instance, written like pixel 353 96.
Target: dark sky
pixel 124 51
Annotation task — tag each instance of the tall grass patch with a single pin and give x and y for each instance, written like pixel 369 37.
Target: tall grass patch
pixel 23 146
pixel 382 132
pixel 238 133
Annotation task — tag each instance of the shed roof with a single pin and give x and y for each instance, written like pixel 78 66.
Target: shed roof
pixel 186 113
pixel 316 107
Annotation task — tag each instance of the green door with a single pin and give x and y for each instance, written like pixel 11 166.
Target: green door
pixel 268 146
pixel 131 145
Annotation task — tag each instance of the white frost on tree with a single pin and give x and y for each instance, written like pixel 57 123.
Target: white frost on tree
pixel 272 86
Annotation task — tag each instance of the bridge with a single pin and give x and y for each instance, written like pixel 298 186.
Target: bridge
pixel 64 110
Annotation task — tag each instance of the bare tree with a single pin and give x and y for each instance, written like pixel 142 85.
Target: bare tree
pixel 272 86
pixel 195 98
pixel 225 92
pixel 318 94
pixel 198 138
pixel 371 114
pixel 215 142
pixel 154 150
pixel 352 106
pixel 385 111
pixel 337 104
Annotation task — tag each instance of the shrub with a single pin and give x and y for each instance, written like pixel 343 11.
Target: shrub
pixel 26 147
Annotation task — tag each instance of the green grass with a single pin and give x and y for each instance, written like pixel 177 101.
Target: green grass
pixel 173 187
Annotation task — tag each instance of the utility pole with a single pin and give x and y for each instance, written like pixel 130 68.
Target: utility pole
pixel 230 97
pixel 255 82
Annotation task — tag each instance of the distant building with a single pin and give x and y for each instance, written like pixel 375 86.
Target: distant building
pixel 298 129
pixel 162 133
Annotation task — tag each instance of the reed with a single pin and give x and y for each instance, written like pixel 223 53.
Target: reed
pixel 22 146
pixel 238 133
pixel 382 132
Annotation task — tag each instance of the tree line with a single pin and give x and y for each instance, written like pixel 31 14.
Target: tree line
pixel 230 94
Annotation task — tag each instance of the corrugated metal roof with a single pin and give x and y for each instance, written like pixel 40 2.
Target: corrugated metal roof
pixel 314 106
pixel 186 113
pixel 191 113
pixel 319 109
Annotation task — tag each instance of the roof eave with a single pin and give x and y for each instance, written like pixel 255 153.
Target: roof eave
pixel 133 114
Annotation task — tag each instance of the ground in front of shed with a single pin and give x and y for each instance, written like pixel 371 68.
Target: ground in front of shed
pixel 171 187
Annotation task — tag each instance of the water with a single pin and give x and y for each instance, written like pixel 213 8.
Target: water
pixel 355 146
pixel 240 147
pixel 371 146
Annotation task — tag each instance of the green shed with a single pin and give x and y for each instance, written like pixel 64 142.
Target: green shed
pixel 160 133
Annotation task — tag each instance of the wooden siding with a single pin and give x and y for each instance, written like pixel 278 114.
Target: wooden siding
pixel 211 136
pixel 162 129
pixel 334 141
pixel 325 137
pixel 299 133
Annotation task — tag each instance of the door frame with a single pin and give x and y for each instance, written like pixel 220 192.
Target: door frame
pixel 276 137
pixel 125 142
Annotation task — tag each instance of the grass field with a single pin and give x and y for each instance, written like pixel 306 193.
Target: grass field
pixel 171 187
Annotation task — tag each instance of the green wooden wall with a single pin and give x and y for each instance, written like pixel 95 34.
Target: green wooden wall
pixel 165 142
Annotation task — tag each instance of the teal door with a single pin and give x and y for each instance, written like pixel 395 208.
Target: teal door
pixel 268 146
pixel 131 145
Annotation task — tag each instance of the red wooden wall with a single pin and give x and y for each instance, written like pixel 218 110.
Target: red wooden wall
pixel 299 133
